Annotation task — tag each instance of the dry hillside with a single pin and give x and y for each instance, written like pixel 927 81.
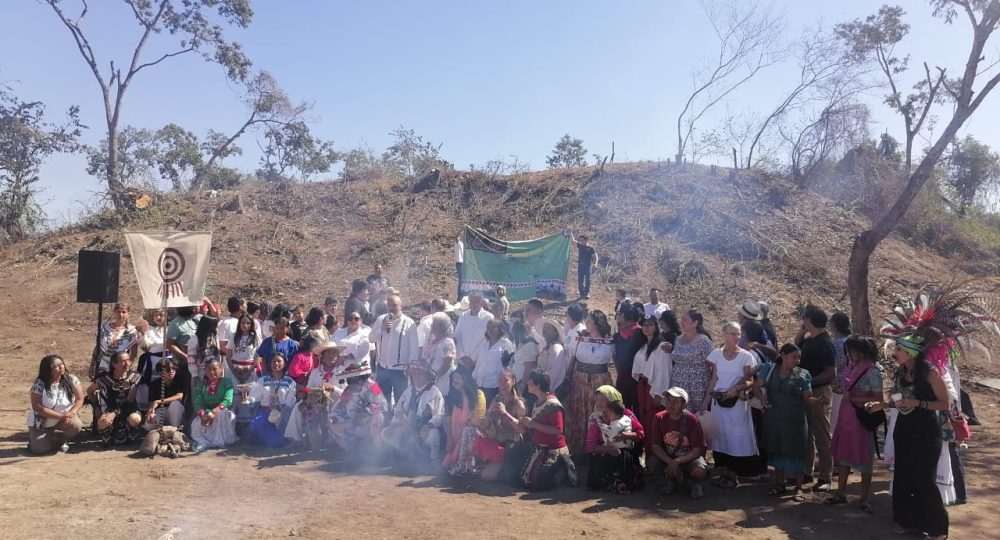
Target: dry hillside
pixel 708 237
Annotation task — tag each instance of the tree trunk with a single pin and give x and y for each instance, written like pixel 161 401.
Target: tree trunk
pixel 115 188
pixel 857 283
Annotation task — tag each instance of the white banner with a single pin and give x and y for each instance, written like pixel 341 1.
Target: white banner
pixel 170 267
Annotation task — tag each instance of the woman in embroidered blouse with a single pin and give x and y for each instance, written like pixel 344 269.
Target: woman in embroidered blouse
pixel 242 349
pixel 215 424
pixel 274 394
pixel 117 335
pixel 117 412
pixel 204 346
pixel 591 355
pixel 56 400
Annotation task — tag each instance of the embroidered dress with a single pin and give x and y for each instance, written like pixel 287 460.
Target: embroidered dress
pixel 274 400
pixel 117 396
pixel 356 418
pixel 113 340
pixel 545 463
pixel 593 355
pixel 222 431
pixel 691 370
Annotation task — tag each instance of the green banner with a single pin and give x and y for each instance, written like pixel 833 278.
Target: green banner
pixel 529 269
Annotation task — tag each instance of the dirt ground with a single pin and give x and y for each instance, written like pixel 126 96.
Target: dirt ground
pixel 247 492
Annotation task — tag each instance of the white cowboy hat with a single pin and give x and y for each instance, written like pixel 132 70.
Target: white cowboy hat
pixel 320 349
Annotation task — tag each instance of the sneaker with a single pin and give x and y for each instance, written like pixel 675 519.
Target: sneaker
pixel 199 447
pixel 697 491
pixel 822 485
pixel 64 448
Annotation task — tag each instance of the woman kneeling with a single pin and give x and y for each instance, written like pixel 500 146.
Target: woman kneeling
pixel 215 426
pixel 545 463
pixel 56 400
pixel 166 397
pixel 114 392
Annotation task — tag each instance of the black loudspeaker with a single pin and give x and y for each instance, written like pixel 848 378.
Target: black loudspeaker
pixel 97 280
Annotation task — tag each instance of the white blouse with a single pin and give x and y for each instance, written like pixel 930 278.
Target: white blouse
pixel 489 362
pixel 594 351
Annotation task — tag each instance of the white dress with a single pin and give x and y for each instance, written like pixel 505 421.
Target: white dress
pixel 736 437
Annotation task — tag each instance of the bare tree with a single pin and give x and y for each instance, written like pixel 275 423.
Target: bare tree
pixel 835 129
pixel 874 38
pixel 828 74
pixel 186 20
pixel 749 35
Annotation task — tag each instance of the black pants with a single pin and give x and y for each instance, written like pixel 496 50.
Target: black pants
pixel 393 383
pixel 583 280
pixel 958 471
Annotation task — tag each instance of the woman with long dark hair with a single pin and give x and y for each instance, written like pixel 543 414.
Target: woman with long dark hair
pixel 465 405
pixel 117 412
pixel 588 370
pixel 785 389
pixel 56 400
pixel 691 371
pixel 651 370
pixel 919 394
pixel 853 445
pixel 204 347
pixel 116 335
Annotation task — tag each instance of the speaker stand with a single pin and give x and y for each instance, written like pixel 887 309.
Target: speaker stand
pixel 97 345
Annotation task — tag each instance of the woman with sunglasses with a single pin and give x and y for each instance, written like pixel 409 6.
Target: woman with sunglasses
pixel 166 397
pixel 354 337
pixel 116 335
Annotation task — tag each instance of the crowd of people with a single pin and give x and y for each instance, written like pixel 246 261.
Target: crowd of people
pixel 645 394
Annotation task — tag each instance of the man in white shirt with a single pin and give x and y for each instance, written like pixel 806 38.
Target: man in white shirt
pixel 471 328
pixel 654 308
pixel 227 326
pixel 395 338
pixel 459 250
pixel 574 325
pixel 427 311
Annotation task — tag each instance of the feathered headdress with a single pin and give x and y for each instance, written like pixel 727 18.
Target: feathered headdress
pixel 934 321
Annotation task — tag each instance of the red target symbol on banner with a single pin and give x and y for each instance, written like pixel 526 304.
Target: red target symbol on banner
pixel 171 265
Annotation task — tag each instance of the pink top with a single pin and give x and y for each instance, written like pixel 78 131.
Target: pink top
pixel 300 366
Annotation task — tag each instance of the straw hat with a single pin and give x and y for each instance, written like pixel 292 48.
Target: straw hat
pixel 751 310
pixel 540 325
pixel 355 369
pixel 329 345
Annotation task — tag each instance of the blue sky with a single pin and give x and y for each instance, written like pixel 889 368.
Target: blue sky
pixel 486 79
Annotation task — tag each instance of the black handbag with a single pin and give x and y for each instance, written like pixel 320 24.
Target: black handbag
pixel 870 420
pixel 723 401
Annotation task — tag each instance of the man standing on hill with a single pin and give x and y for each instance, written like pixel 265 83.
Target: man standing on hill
pixel 586 260
pixel 459 250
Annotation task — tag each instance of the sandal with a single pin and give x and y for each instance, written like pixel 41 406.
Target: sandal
pixel 798 496
pixel 778 491
pixel 728 480
pixel 836 498
pixel 865 506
